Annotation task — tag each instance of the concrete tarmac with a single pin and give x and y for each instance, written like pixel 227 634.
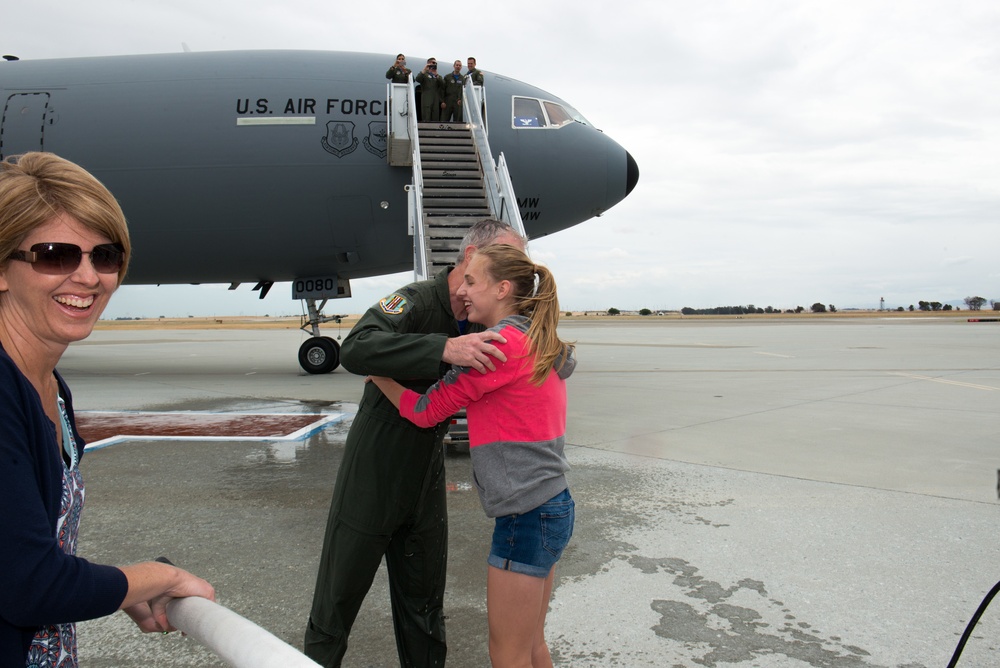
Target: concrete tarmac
pixel 800 492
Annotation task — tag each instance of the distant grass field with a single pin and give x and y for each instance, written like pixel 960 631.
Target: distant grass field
pixel 294 322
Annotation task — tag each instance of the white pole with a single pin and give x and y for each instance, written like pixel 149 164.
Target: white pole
pixel 238 641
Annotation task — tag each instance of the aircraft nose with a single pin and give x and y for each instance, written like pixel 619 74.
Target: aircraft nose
pixel 632 170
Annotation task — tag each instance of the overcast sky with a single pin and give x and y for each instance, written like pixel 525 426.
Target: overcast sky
pixel 789 152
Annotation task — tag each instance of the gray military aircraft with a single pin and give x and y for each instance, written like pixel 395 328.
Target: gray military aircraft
pixel 267 166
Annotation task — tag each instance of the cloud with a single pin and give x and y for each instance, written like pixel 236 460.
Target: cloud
pixel 614 253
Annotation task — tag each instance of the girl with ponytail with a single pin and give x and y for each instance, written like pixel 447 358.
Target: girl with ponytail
pixel 517 427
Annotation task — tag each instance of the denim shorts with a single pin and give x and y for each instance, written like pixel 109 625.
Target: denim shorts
pixel 532 542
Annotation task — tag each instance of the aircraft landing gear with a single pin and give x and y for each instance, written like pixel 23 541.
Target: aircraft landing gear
pixel 318 354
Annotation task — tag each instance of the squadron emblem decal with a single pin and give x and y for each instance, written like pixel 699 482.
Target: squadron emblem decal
pixel 340 139
pixel 375 141
pixel 393 304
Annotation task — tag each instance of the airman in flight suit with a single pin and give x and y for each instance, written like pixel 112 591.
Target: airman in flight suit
pixel 454 84
pixel 431 92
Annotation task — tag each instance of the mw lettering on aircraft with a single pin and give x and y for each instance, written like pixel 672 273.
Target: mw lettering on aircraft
pixel 526 205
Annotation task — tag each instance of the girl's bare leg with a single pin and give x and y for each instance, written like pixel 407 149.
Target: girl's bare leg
pixel 516 605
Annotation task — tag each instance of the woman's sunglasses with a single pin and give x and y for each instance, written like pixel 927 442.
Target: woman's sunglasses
pixel 56 258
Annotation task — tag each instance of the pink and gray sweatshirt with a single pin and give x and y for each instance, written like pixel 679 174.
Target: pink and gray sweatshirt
pixel 517 430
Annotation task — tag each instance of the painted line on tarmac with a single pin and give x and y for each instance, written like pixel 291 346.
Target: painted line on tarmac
pixel 974 386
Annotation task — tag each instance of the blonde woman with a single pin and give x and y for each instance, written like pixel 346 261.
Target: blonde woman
pixel 64 249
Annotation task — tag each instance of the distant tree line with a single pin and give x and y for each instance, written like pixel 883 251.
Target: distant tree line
pixel 976 303
pixel 750 308
pixel 973 304
pixel 931 306
pixel 727 310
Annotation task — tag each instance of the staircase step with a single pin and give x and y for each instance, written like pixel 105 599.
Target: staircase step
pixel 449 237
pixel 449 156
pixel 451 178
pixel 454 240
pixel 451 165
pixel 468 160
pixel 454 182
pixel 449 246
pixel 431 202
pixel 447 243
pixel 439 144
pixel 442 160
pixel 448 252
pixel 452 236
pixel 444 127
pixel 435 132
pixel 462 152
pixel 457 221
pixel 441 135
pixel 446 147
pixel 436 144
pixel 442 191
pixel 445 211
pixel 449 187
pixel 438 135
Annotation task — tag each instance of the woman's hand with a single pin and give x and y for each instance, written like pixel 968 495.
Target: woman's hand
pixel 152 585
pixel 142 615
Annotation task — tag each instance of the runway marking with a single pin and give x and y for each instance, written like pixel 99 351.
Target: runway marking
pixel 758 352
pixel 959 383
pixel 103 428
pixel 659 345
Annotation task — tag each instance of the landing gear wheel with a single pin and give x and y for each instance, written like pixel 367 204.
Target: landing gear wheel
pixel 319 354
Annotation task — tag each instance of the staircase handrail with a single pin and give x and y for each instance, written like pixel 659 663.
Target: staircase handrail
pixel 397 117
pixel 510 212
pixel 478 126
pixel 499 189
pixel 415 193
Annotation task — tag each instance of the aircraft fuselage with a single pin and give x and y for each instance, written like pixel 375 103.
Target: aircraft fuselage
pixel 270 166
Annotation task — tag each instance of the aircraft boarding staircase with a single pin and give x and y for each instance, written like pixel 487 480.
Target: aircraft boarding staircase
pixel 454 190
pixel 455 180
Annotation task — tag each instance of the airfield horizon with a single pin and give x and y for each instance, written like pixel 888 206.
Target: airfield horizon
pixel 348 321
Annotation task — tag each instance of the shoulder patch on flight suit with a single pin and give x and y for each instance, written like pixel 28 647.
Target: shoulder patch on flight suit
pixel 393 304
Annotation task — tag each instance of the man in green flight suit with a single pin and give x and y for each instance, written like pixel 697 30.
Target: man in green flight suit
pixel 431 92
pixel 389 498
pixel 473 73
pixel 454 83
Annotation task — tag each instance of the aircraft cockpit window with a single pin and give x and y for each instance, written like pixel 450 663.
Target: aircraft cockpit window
pixel 576 115
pixel 528 113
pixel 557 115
pixel 533 113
